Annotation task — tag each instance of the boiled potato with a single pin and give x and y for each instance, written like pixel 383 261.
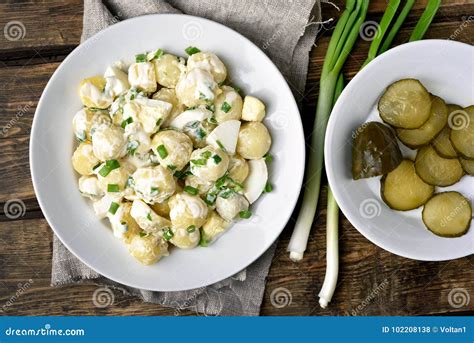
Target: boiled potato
pixel 154 184
pixel 202 186
pixel 185 238
pixel 253 109
pixel 91 92
pixel 254 140
pixel 116 180
pixel 187 210
pixel 83 159
pixel 228 105
pixel 147 249
pixel 231 204
pixel 169 95
pixel 213 227
pixel 108 142
pixel 168 68
pixel 142 76
pixel 197 87
pixel 172 148
pixel 209 62
pixel 123 225
pixel 238 168
pixel 89 187
pixel 209 163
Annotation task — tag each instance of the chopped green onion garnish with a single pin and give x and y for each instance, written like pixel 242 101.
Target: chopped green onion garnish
pixel 206 154
pixel 268 157
pixel 268 188
pixel 162 151
pixel 201 133
pixel 203 242
pixel 237 89
pixel 226 107
pixel 132 147
pixel 199 162
pixel 191 190
pixel 154 55
pixel 217 159
pixel 221 181
pixel 212 120
pixel 202 96
pixel 191 229
pixel 221 146
pixel 113 187
pixel 168 234
pixel 211 107
pixel 182 174
pixel 148 216
pixel 140 58
pixel 154 190
pixel 143 234
pixel 97 166
pixel 191 50
pixel 108 167
pixel 158 122
pixel 245 214
pixel 171 167
pixel 127 121
pixel 81 137
pixel 129 182
pixel 113 207
pixel 210 199
pixel 226 193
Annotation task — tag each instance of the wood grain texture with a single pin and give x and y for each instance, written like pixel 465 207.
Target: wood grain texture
pixel 372 281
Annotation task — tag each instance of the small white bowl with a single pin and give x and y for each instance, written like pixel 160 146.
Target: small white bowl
pixel 446 69
pixel 72 217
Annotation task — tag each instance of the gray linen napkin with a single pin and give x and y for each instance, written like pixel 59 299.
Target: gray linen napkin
pixel 285 30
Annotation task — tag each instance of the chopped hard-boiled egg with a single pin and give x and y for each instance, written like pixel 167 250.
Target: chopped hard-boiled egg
pixel 225 136
pixel 198 114
pixel 255 182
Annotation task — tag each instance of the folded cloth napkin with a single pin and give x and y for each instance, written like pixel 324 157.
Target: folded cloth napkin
pixel 285 30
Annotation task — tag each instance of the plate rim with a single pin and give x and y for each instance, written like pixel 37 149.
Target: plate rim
pixel 328 158
pixel 299 138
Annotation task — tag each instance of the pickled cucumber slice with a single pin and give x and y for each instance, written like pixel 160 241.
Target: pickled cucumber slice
pixel 447 214
pixel 467 165
pixel 405 104
pixel 415 138
pixel 374 151
pixel 462 131
pixel 402 189
pixel 436 170
pixel 442 144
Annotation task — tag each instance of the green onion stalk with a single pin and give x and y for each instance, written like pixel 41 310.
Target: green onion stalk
pixel 340 45
pixel 332 224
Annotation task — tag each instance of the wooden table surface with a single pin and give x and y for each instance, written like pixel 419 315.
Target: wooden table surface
pixel 371 281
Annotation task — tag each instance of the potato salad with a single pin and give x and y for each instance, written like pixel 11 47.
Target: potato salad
pixel 169 152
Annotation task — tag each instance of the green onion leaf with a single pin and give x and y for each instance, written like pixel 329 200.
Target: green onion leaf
pixel 158 122
pixel 171 167
pixel 143 234
pixel 201 133
pixel 237 89
pixel 108 167
pixel 127 121
pixel 211 107
pixel 113 207
pixel 182 174
pixel 154 55
pixel 203 242
pixel 245 214
pixel 132 147
pixel 191 229
pixel 212 120
pixel 226 194
pixel 199 162
pixel 167 234
pixel 268 157
pixel 268 188
pixel 140 58
pixel 81 137
pixel 113 187
pixel 217 159
pixel 221 146
pixel 154 190
pixel 206 154
pixel 191 50
pixel 210 199
pixel 162 151
pixel 191 190
pixel 148 216
pixel 226 107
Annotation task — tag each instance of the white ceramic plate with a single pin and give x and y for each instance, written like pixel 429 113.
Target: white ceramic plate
pixel 71 216
pixel 446 68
